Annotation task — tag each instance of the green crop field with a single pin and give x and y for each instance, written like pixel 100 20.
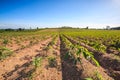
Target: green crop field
pixel 60 54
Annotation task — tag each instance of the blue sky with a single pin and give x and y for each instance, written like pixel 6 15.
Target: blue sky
pixel 55 13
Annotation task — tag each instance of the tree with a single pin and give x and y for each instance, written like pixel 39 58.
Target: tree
pixel 37 28
pixel 107 27
pixel 87 27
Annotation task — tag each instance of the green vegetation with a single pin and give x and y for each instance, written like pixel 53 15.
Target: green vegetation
pixel 82 46
pixel 98 76
pixel 95 37
pixel 76 50
pixel 88 79
pixel 5 41
pixel 37 62
pixel 5 52
pixel 52 61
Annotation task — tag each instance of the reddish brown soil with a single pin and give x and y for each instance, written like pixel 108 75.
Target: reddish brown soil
pixel 51 73
pixel 20 58
pixel 18 66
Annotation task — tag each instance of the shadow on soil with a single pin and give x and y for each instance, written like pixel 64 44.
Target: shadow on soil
pixel 69 70
pixel 22 71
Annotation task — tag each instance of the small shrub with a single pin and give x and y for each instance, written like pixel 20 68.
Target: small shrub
pixel 4 52
pixel 52 61
pixel 22 46
pixel 31 42
pixel 67 56
pixel 37 62
pixel 5 41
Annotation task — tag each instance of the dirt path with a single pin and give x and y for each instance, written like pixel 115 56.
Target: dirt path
pixel 20 58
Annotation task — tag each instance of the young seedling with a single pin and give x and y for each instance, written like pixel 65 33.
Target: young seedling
pixel 22 46
pixel 5 41
pixel 88 79
pixel 37 62
pixel 98 76
pixel 52 61
pixel 4 52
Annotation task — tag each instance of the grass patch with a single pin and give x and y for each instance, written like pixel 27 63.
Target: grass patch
pixel 5 52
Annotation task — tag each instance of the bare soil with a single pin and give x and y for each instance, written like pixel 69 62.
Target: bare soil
pixel 12 64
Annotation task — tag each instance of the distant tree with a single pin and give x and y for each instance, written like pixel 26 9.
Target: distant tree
pixel 107 27
pixel 115 28
pixel 37 28
pixel 87 27
pixel 66 27
pixel 9 29
pixel 19 29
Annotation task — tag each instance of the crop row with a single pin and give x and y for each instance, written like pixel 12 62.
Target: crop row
pixel 84 60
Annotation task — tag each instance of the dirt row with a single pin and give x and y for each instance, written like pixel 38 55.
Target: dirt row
pixel 49 71
pixel 18 66
pixel 109 50
pixel 111 66
pixel 25 44
pixel 18 61
pixel 78 72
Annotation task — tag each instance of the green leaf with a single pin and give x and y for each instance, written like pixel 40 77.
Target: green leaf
pixel 78 52
pixel 66 55
pixel 75 61
pixel 88 79
pixel 96 62
pixel 84 54
pixel 37 61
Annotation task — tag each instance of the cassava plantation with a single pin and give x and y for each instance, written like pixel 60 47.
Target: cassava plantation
pixel 60 54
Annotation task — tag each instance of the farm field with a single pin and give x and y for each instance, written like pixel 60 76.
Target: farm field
pixel 60 54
